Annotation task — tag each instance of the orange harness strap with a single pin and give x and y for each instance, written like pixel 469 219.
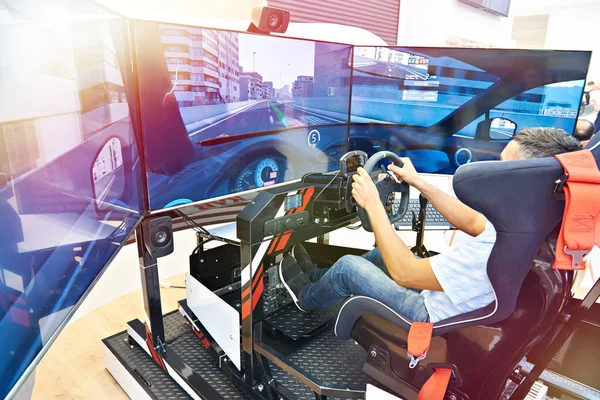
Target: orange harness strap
pixel 580 227
pixel 419 339
pixel 436 385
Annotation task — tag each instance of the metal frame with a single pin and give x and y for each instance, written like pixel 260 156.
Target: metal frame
pixel 256 379
pixel 560 339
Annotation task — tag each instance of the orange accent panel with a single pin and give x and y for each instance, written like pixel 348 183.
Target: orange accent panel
pixel 246 292
pixel 272 246
pixel 306 198
pixel 245 308
pixel 257 293
pixel 258 274
pixel 283 241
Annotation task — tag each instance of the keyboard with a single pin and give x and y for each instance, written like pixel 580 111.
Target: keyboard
pixel 433 220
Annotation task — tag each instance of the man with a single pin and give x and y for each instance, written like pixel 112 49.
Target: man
pixel 423 289
pixel 584 130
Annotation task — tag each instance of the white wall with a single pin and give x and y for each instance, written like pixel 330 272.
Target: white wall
pixel 431 22
pixel 576 28
pixel 123 274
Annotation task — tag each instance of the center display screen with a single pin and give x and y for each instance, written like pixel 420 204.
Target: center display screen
pixel 226 112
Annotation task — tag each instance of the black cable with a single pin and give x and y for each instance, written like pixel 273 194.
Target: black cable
pixel 176 337
pixel 326 186
pixel 192 224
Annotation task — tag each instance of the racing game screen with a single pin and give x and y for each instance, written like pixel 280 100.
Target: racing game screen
pixel 444 107
pixel 242 111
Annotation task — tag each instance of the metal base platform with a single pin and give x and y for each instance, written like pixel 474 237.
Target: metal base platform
pixel 324 358
pixel 154 381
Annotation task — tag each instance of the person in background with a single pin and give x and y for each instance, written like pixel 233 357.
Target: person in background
pixel 584 130
pixel 597 123
pixel 595 96
pixel 586 107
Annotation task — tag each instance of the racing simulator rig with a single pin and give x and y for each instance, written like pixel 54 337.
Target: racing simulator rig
pixel 337 352
pixel 198 126
pixel 236 308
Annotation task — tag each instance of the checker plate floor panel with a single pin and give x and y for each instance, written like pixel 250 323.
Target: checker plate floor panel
pixel 182 340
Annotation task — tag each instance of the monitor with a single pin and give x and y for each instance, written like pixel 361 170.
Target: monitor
pixel 70 186
pixel 499 7
pixel 444 107
pixel 226 112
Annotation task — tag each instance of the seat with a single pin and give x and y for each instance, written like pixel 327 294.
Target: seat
pixel 482 347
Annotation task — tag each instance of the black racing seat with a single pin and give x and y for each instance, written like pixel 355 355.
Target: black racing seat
pixel 482 347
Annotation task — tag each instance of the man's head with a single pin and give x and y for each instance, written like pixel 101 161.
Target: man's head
pixel 539 142
pixel 589 86
pixel 584 130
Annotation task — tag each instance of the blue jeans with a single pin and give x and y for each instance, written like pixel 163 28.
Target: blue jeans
pixel 364 275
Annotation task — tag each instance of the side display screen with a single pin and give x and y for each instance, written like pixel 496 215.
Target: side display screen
pixel 293 201
pixel 444 107
pixel 242 111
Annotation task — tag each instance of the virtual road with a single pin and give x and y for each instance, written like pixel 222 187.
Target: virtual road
pixel 263 115
pixel 501 133
pixel 393 70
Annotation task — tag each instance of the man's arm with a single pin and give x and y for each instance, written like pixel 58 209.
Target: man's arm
pixel 456 212
pixel 404 268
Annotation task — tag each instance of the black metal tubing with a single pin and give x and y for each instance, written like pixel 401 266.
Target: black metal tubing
pixel 564 334
pixel 350 98
pixel 150 290
pixel 138 118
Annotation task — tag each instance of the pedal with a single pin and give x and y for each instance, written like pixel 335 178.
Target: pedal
pixel 537 392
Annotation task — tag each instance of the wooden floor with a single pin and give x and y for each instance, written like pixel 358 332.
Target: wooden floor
pixel 73 368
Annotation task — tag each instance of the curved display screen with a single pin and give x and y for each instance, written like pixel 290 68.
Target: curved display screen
pixel 70 177
pixel 227 112
pixel 444 107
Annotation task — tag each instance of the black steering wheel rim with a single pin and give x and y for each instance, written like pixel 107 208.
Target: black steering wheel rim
pixel 386 187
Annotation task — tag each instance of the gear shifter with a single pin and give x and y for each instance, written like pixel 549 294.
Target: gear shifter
pixel 418 225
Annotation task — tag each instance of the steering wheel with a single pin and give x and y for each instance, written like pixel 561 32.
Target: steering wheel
pixel 387 188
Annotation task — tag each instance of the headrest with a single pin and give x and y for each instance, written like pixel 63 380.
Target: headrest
pixel 593 142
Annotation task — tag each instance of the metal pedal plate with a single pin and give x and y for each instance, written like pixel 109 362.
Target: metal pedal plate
pixel 328 359
pixel 296 324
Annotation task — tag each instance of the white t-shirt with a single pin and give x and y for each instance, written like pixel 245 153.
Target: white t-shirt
pixel 462 273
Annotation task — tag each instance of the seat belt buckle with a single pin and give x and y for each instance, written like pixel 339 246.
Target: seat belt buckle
pixel 577 257
pixel 558 191
pixel 414 361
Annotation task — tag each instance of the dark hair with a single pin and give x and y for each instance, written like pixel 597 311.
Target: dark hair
pixel 591 83
pixel 545 142
pixel 584 130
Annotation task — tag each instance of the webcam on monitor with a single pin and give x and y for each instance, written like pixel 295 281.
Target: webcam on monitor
pixel 269 19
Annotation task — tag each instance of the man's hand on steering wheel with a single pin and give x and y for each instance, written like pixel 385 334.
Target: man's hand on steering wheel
pixel 386 192
pixel 407 173
pixel 364 191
